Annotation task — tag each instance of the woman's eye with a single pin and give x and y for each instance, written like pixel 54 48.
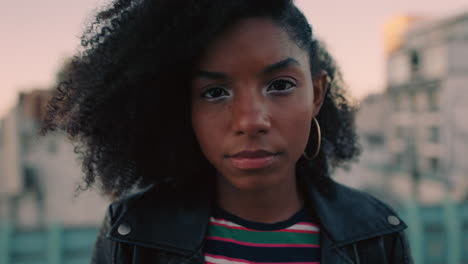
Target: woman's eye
pixel 281 86
pixel 215 93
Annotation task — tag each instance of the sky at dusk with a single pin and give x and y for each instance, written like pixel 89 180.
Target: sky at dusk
pixel 36 37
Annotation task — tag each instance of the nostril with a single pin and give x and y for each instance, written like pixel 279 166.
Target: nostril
pixel 252 120
pixel 258 132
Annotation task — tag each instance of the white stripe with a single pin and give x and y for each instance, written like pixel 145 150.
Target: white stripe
pixel 224 222
pixel 223 261
pixel 303 228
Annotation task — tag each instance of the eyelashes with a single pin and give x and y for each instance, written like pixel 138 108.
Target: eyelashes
pixel 215 93
pixel 281 86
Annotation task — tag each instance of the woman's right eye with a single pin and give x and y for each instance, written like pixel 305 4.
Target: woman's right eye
pixel 215 93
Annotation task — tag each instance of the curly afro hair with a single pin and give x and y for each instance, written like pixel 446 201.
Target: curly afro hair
pixel 131 131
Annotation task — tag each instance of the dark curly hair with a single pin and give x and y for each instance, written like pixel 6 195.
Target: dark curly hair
pixel 131 130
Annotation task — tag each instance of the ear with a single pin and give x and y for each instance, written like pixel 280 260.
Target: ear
pixel 321 83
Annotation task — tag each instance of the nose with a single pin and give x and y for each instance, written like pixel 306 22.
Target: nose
pixel 250 115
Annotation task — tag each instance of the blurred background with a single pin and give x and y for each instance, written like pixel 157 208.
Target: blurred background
pixel 406 65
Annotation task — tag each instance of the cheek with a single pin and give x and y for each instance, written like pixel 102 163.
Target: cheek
pixel 299 135
pixel 206 128
pixel 200 124
pixel 295 126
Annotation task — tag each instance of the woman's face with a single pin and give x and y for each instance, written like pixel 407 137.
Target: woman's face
pixel 253 101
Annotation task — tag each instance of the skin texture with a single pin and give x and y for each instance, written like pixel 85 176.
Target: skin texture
pixel 254 91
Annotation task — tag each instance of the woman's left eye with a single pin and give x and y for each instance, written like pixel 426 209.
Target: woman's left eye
pixel 281 86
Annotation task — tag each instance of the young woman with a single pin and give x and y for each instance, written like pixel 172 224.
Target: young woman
pixel 228 118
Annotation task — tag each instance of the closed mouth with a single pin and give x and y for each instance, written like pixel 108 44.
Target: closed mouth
pixel 253 154
pixel 253 160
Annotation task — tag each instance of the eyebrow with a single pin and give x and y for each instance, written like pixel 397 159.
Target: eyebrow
pixel 280 65
pixel 269 69
pixel 211 75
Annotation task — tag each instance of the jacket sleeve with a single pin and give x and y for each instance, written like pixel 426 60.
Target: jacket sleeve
pixel 104 247
pixel 401 250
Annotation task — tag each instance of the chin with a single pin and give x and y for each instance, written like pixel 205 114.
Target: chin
pixel 253 182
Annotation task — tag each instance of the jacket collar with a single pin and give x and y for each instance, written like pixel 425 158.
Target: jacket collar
pixel 159 218
pixel 347 215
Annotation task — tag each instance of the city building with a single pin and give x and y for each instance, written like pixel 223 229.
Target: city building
pixel 427 83
pixel 415 134
pixel 39 174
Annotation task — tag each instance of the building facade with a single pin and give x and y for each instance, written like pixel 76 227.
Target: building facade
pixel 40 174
pixel 427 84
pixel 415 134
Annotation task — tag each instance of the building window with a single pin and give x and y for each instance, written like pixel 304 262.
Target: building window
pixel 434 134
pixel 434 164
pixel 415 61
pixel 30 178
pixel 375 139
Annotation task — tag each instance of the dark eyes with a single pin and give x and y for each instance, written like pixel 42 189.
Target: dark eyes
pixel 215 93
pixel 279 87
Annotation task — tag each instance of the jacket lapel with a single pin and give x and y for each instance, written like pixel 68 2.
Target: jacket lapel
pixel 163 220
pixel 330 254
pixel 347 216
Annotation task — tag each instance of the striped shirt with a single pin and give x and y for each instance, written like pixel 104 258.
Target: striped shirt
pixel 231 239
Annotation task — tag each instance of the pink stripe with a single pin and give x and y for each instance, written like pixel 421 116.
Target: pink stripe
pixel 250 262
pixel 297 231
pixel 298 223
pixel 262 244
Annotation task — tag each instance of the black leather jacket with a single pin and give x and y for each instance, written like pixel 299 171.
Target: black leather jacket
pixel 156 227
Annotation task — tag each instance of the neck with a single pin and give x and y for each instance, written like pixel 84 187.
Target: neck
pixel 267 205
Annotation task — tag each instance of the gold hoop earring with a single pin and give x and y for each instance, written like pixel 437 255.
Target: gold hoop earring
pixel 319 140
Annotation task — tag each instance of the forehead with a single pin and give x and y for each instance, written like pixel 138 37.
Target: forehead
pixel 253 41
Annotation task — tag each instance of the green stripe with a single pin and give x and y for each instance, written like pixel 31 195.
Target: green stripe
pixel 264 236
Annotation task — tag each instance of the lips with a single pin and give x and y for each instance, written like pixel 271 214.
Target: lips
pixel 253 154
pixel 249 160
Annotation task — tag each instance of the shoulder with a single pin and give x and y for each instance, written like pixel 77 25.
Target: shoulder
pixel 360 224
pixel 357 199
pixel 122 204
pixel 105 248
pixel 342 197
pixel 351 215
pixel 150 197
